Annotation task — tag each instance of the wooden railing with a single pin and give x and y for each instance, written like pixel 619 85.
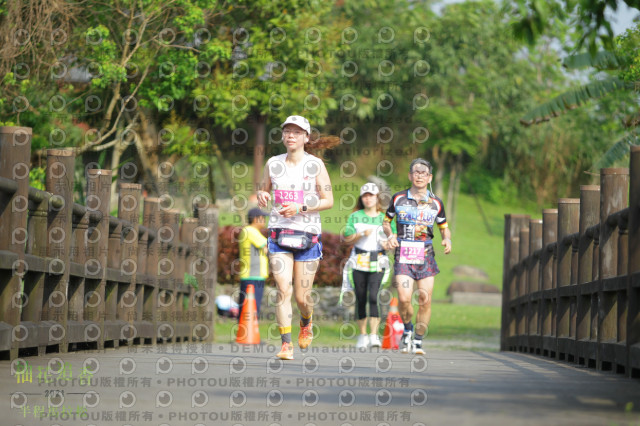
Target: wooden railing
pixel 571 282
pixel 74 277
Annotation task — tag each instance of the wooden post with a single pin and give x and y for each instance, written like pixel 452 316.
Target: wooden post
pixel 633 265
pixel 535 245
pixel 98 198
pixel 187 237
pixel 549 236
pixel 623 293
pixel 207 270
pixel 151 220
pixel 113 324
pixel 586 343
pixel 59 182
pixel 182 291
pixel 199 269
pixel 166 279
pixel 15 153
pixel 568 224
pixel 142 327
pixel 613 197
pixel 129 211
pixel 76 297
pixel 174 281
pixel 512 225
pixel 34 277
pixel 547 306
pixel 523 253
pixel 523 295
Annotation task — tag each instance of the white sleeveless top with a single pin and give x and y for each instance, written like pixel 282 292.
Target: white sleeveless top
pixel 295 184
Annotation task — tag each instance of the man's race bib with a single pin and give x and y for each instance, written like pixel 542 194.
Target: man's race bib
pixel 283 196
pixel 412 252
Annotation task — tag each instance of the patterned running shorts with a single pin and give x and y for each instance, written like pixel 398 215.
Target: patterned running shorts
pixel 428 269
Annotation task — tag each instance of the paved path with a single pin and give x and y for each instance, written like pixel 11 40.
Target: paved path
pixel 229 385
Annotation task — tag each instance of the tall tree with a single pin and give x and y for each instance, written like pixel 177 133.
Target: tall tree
pixel 113 73
pixel 280 62
pixel 612 75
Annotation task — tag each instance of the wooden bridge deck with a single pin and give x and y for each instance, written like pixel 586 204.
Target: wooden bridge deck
pixel 246 385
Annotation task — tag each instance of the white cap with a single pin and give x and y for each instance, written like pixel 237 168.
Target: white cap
pixel 299 121
pixel 369 188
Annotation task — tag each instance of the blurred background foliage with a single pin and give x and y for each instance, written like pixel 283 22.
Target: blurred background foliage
pixel 204 84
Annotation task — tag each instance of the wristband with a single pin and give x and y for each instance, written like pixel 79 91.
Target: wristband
pixel 447 239
pixel 297 208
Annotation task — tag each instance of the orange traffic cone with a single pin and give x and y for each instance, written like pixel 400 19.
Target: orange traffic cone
pixel 248 331
pixel 393 328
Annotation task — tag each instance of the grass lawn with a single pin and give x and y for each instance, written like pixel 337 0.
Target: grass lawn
pixel 472 243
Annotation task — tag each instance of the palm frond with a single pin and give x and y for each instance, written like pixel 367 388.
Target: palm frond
pixel 618 151
pixel 572 99
pixel 602 60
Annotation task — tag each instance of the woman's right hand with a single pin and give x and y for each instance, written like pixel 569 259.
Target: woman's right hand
pixel 263 198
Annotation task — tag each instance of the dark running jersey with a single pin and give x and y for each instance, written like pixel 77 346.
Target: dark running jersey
pixel 415 219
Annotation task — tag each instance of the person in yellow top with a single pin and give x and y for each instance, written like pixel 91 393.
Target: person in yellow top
pixel 254 264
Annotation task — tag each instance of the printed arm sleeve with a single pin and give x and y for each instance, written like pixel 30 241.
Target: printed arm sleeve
pixel 391 210
pixel 441 218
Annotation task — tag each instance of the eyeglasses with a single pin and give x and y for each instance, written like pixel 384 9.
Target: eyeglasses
pixel 420 172
pixel 293 132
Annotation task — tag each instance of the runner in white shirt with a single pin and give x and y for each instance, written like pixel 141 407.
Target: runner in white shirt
pixel 301 188
pixel 368 265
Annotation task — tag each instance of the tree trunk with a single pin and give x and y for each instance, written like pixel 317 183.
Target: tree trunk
pixel 118 149
pixel 450 190
pixel 454 188
pixel 480 209
pixel 225 174
pixel 258 152
pixel 439 164
pixel 456 192
pixel 145 145
pixel 212 186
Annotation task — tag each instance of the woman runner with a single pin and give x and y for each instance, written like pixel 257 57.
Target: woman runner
pixel 299 186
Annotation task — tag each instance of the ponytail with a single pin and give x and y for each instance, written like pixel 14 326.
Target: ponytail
pixel 321 142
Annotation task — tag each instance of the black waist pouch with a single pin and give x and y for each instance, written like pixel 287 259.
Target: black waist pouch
pixel 291 239
pixel 373 254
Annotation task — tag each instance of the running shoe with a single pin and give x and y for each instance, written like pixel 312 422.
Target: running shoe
pixel 363 341
pixel 374 341
pixel 286 352
pixel 305 336
pixel 417 347
pixel 405 342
